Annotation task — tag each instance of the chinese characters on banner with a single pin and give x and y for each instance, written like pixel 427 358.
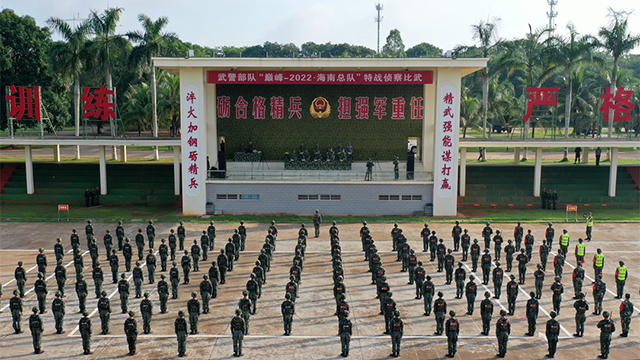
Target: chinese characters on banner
pixel 361 107
pixel 619 103
pixel 192 153
pixel 320 77
pixel 97 104
pixel 446 142
pixel 23 99
pixel 540 96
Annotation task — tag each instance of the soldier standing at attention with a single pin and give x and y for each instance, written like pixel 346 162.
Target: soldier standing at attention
pixel 151 233
pixel 108 243
pixel 182 233
pixel 230 250
pixel 186 266
pixel 252 288
pixel 85 332
pixel 486 266
pixel 163 249
pixel 621 278
pixel 75 239
pixel 557 288
pixel 544 255
pixel 211 233
pixel 397 330
pixel 174 278
pixel 497 243
pixel 346 329
pixel 163 293
pixel 131 331
pixel 242 231
pixel 552 332
pixel 412 262
pixel 204 243
pixel 214 277
pixel 424 233
pixel 580 251
pixel 180 327
pixel 503 329
pixel 127 252
pixel 288 310
pixel 317 220
pixel 539 276
pixel 486 234
pixel 452 328
pixel 15 304
pixel 82 291
pixel 193 306
pixel 581 307
pixel 94 252
pixel 138 278
pixel 140 244
pixel 205 291
pixel 522 260
pixel 465 239
pixel 599 289
pixel 626 310
pixel 449 262
pixel 607 327
pixel 41 261
pixel 512 294
pixel 598 263
pixel 471 292
pixel 419 276
pixel 88 230
pixel 245 306
pixel 237 331
pixel 104 309
pixel 529 241
pixel 114 263
pixel 578 278
pixel 518 233
pixel 41 293
pixel 172 245
pixel 222 266
pixel 558 264
pixel 36 327
pixel 549 234
pixel 146 309
pixel 440 309
pixel 460 276
pixel 509 250
pixel 58 308
pixel 456 232
pixel 475 255
pixel 433 245
pixel 498 276
pixel 589 225
pixel 61 276
pixel 123 290
pixel 389 308
pixel 564 242
pixel 195 255
pixel 532 313
pixel 235 238
pixel 98 278
pixel 442 252
pixel 396 169
pixel 120 235
pixel 428 289
pixel 486 310
pixel 58 249
pixel 78 264
pixel 554 199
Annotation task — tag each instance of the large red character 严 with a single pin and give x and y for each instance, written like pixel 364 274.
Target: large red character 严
pixel 619 103
pixel 540 96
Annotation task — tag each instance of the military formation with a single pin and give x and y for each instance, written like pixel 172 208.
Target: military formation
pixel 520 249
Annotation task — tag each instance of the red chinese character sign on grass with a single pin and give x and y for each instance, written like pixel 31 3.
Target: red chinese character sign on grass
pixel 23 99
pixel 445 171
pixel 97 104
pixel 540 96
pixel 194 173
pixel 619 103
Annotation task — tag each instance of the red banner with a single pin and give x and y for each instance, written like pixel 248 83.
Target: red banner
pixel 320 77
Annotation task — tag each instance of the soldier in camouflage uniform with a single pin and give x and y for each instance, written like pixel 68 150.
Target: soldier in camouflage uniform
pixel 193 306
pixel 346 329
pixel 61 276
pixel 205 291
pixel 238 329
pixel 181 329
pixel 146 309
pixel 163 293
pixel 82 291
pixel 41 292
pixel 123 290
pixel 104 309
pixel 245 306
pixel 131 331
pixel 288 310
pixel 16 307
pixel 37 327
pixel 58 308
pixel 85 332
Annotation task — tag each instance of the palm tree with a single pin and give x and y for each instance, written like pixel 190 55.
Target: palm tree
pixel 67 58
pixel 137 107
pixel 616 40
pixel 150 41
pixel 169 100
pixel 566 55
pixel 469 111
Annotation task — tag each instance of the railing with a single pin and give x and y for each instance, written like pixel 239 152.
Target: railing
pixel 312 175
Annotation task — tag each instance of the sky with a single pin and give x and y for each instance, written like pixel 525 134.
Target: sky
pixel 444 24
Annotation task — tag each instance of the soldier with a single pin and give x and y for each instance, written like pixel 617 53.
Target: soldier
pixel 214 278
pixel 185 262
pixel 599 289
pixel 338 289
pixel 503 329
pixel 61 276
pixel 193 307
pixel 486 266
pixel 544 254
pixel 375 262
pixel 549 234
pixel 552 332
pixel 397 330
pixel 75 239
pixel 529 241
pixel 211 234
pixel 181 328
pixel 127 252
pixel 442 252
pixel 532 313
pixel 195 255
pixel 16 306
pixel 346 329
pixel 163 249
pixel 522 260
pixel 140 244
pixel 558 264
pixel 621 278
pixel 471 292
pixel 342 306
pixel 497 243
pixel 440 309
pixel 475 255
pixel 88 230
pixel 424 233
pixel 449 262
pixel 428 290
pixel 163 294
pixel 252 288
pixel 486 234
pixel 204 244
pixel 383 293
pixel 498 276
pixel 120 235
pixel 456 232
pixel 607 327
pixel 242 231
pixel 578 278
pixel 238 329
pixel 138 278
pixel 419 276
pixel 94 252
pixel 205 291
pixel 626 310
pixel 580 251
pixel 486 310
pixel 544 196
pixel 151 233
pixel 245 305
pixel 581 307
pixel 557 288
pixel 453 329
pixel 182 233
pixel 230 251
pixel 41 261
pixel 564 242
pixel 288 309
pixel 509 250
pixel 554 199
pixel 58 249
pixel 108 243
pixel 82 291
pixel 146 309
pixel 114 263
pixel 460 276
pixel 539 276
pixel 131 331
pixel 41 292
pixel 123 290
pixel 512 294
pixel 433 245
pixel 589 223
pixel 104 309
pixel 222 266
pixel 518 233
pixel 151 266
pixel 389 308
pixel 396 169
pixel 172 244
pixel 36 326
pixel 317 220
pixel 86 332
pixel 78 264
pixel 465 239
pixel 295 271
pixel 412 262
pixel 598 263
pixel 292 288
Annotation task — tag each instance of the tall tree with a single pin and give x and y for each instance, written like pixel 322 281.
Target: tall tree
pixel 617 41
pixel 424 50
pixel 486 33
pixel 394 46
pixel 150 42
pixel 469 112
pixel 68 59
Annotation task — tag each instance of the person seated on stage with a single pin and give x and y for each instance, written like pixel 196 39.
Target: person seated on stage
pixel 350 151
pixel 251 148
pixel 293 156
pixel 305 156
pixel 343 155
pixel 339 148
pixel 316 149
pixel 243 148
pixel 331 156
pixel 302 148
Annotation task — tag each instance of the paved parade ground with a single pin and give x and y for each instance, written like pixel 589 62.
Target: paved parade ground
pixel 314 334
